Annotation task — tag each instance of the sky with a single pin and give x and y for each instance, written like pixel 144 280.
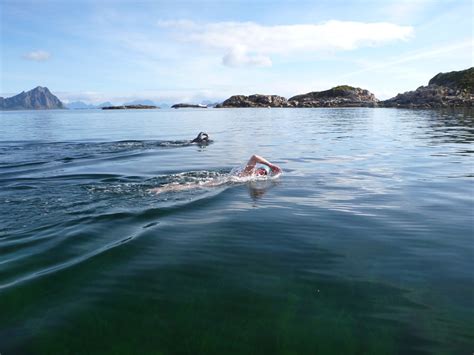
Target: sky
pixel 190 51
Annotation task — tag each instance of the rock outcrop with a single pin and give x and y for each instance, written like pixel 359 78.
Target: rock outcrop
pixel 453 89
pixel 459 80
pixel 40 98
pixel 255 101
pixel 129 107
pixel 339 96
pixel 188 106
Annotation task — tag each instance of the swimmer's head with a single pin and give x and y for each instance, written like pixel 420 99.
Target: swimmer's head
pixel 202 137
pixel 262 170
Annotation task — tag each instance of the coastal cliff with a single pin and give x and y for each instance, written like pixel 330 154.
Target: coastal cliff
pixel 39 98
pixel 453 89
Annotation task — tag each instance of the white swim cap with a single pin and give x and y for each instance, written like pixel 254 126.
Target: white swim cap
pixel 264 167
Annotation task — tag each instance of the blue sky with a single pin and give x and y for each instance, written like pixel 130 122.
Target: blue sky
pixel 166 51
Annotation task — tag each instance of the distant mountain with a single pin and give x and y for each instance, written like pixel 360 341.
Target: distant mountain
pixel 140 102
pixel 79 105
pixel 40 98
pixel 104 104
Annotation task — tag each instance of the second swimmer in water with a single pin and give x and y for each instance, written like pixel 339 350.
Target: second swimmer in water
pixel 202 138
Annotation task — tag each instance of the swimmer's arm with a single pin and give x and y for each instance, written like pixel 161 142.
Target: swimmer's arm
pixel 254 159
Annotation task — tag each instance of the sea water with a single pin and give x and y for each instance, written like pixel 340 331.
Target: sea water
pixel 363 245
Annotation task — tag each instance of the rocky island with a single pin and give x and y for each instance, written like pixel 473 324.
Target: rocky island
pixel 129 107
pixel 188 106
pixel 339 96
pixel 256 100
pixel 453 89
pixel 39 98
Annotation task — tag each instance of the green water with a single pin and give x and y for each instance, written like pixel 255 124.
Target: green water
pixel 363 246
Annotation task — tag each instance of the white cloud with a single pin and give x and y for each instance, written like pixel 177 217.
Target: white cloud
pixel 37 56
pixel 251 44
pixel 238 56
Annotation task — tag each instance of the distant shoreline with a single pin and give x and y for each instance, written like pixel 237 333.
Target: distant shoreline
pixel 453 89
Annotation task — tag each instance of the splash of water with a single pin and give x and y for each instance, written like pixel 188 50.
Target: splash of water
pixel 206 179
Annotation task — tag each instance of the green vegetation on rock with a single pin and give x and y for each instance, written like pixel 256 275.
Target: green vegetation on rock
pixel 463 80
pixel 343 88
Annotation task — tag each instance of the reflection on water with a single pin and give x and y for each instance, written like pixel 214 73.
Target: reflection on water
pixel 363 245
pixel 258 188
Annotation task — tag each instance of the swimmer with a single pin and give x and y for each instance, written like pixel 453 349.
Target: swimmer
pixel 202 138
pixel 251 169
pixel 264 167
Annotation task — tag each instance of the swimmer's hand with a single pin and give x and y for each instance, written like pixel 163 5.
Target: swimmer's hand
pixel 275 169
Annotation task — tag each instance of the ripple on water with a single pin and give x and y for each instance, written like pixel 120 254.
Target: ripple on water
pixel 366 237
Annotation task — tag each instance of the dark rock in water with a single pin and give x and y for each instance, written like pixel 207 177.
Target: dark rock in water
pixel 255 101
pixel 454 89
pixel 339 96
pixel 129 107
pixel 188 106
pixel 40 98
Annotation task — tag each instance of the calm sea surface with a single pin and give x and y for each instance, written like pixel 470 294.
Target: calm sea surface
pixel 365 244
